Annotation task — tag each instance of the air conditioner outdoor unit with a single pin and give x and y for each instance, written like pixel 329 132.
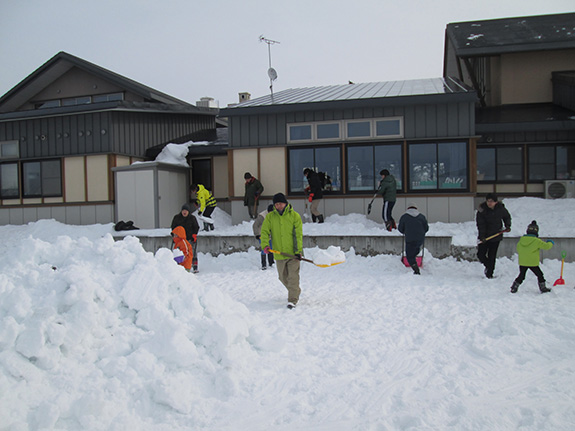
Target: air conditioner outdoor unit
pixel 559 189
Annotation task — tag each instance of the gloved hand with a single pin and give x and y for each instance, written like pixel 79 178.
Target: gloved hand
pixel 194 237
pixel 298 256
pixel 199 213
pixel 551 241
pixel 481 239
pixel 307 189
pixel 310 197
pixel 508 229
pixel 258 237
pixel 267 249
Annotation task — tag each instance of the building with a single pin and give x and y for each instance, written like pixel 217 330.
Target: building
pixel 422 131
pixel 523 71
pixel 67 125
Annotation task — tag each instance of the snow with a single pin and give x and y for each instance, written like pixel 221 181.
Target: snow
pixel 99 334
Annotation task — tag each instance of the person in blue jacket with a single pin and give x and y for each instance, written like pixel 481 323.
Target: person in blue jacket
pixel 414 226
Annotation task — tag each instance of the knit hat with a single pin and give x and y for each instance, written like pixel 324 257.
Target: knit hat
pixel 247 176
pixel 270 208
pixel 186 207
pixel 279 197
pixel 533 229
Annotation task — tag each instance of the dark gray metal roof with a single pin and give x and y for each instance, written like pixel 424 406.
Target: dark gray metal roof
pixel 344 95
pixel 62 63
pixel 498 36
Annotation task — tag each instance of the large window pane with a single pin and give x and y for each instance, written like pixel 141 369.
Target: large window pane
pixel 9 150
pixel 452 158
pixel 541 163
pixel 51 178
pixel 32 179
pixel 509 164
pixel 423 166
pixel 486 164
pixel 388 157
pixel 325 159
pixel 9 181
pixel 360 168
pixel 565 162
pixel 299 159
pixel 388 128
pixel 328 160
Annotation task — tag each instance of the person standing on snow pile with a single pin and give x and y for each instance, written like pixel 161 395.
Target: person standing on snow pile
pixel 185 219
pixel 388 191
pixel 413 225
pixel 490 219
pixel 181 243
pixel 257 227
pixel 254 190
pixel 528 249
pixel 315 193
pixel 206 204
pixel 285 226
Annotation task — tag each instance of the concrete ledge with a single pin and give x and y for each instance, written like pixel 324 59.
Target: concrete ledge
pixel 439 246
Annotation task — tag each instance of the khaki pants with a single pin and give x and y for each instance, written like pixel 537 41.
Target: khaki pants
pixel 288 274
pixel 314 207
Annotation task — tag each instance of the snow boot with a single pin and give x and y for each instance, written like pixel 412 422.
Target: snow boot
pixel 291 305
pixel 514 287
pixel 415 269
pixel 543 288
pixel 206 227
pixel 264 267
pixel 320 218
pixel 271 260
pixel 313 218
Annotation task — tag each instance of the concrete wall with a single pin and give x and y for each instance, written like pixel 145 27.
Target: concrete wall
pixel 439 246
pixel 70 214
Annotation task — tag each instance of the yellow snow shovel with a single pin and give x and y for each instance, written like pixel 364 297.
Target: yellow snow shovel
pixel 321 265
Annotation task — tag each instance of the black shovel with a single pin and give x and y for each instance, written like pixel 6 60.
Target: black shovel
pixel 369 205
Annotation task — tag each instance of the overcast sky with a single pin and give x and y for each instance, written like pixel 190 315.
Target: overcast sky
pixel 195 48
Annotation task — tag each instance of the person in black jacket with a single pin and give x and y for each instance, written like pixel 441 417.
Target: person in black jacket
pixel 185 219
pixel 491 217
pixel 315 193
pixel 413 225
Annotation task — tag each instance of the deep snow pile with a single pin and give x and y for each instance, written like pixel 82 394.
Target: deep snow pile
pixel 99 335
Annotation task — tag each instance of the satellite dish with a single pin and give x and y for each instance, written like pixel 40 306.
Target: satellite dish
pixel 272 74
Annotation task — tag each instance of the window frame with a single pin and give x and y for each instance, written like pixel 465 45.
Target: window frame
pixel 17 178
pixel 4 144
pixel 313 164
pixel 376 169
pixel 42 179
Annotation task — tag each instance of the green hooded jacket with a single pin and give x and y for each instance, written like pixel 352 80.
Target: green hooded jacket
pixel 286 230
pixel 528 249
pixel 388 188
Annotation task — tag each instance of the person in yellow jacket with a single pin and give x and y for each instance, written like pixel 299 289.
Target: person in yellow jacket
pixel 528 249
pixel 285 227
pixel 206 204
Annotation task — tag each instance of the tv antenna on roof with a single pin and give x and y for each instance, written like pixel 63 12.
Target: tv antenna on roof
pixel 273 75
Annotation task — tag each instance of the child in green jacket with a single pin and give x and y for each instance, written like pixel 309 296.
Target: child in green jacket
pixel 528 249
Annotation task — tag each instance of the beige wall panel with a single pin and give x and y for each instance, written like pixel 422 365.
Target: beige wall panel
pixel 526 77
pixel 221 175
pixel 11 202
pixel 484 188
pixel 535 188
pixel 272 170
pixel 244 161
pixel 509 188
pixel 122 161
pixel 74 176
pixel 97 175
pixel 32 201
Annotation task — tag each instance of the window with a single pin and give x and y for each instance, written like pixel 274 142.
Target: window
pixel 364 163
pixel 323 159
pixel 300 132
pixel 438 166
pixel 565 162
pixel 42 178
pixel 541 163
pixel 486 164
pixel 509 164
pixel 47 104
pixel 76 101
pixel 372 128
pixel 107 97
pixel 9 181
pixel 9 150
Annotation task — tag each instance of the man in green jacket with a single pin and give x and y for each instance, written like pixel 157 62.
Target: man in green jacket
pixel 528 249
pixel 388 190
pixel 285 227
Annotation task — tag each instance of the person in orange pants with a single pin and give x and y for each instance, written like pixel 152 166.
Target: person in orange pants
pixel 181 243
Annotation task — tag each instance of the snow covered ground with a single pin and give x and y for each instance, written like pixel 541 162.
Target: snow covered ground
pixel 101 335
